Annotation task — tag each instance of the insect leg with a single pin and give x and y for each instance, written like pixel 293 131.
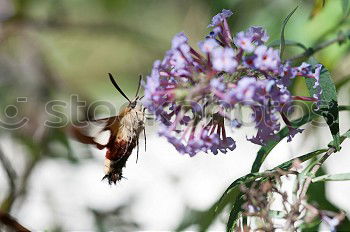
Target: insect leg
pixel 137 151
pixel 144 133
pixel 144 129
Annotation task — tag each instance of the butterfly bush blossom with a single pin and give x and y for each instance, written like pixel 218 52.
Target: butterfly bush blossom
pixel 191 92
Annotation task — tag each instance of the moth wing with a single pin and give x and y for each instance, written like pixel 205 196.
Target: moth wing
pixel 96 131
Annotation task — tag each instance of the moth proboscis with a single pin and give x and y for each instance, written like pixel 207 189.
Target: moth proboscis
pixel 124 129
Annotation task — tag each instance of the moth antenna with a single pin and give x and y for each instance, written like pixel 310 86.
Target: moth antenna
pixel 139 85
pixel 117 87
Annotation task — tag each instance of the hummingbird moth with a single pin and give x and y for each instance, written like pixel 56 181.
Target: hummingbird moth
pixel 124 129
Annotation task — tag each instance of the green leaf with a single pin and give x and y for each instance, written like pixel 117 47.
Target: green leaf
pixel 283 42
pixel 344 136
pixel 235 214
pixel 306 172
pixel 233 189
pixel 334 177
pixel 287 165
pixel 312 226
pixel 329 103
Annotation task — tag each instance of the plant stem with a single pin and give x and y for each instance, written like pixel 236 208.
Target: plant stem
pixel 342 37
pixel 313 172
pixel 332 29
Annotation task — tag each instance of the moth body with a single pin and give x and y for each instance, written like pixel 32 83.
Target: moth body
pixel 124 131
pixel 124 138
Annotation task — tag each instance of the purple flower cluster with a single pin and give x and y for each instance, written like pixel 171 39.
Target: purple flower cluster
pixel 190 92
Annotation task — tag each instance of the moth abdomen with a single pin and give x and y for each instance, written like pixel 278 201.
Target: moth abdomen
pixel 114 169
pixel 116 158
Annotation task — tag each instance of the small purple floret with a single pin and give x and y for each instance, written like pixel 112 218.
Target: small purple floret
pixel 224 59
pixel 220 17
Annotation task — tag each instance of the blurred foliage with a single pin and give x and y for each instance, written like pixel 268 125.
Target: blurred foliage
pixel 50 49
pixel 115 218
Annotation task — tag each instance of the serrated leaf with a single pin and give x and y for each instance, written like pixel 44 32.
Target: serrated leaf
pixel 334 177
pixel 328 102
pixel 285 21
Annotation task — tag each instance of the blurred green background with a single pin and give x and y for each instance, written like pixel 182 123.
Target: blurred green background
pixel 51 49
pixel 80 41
